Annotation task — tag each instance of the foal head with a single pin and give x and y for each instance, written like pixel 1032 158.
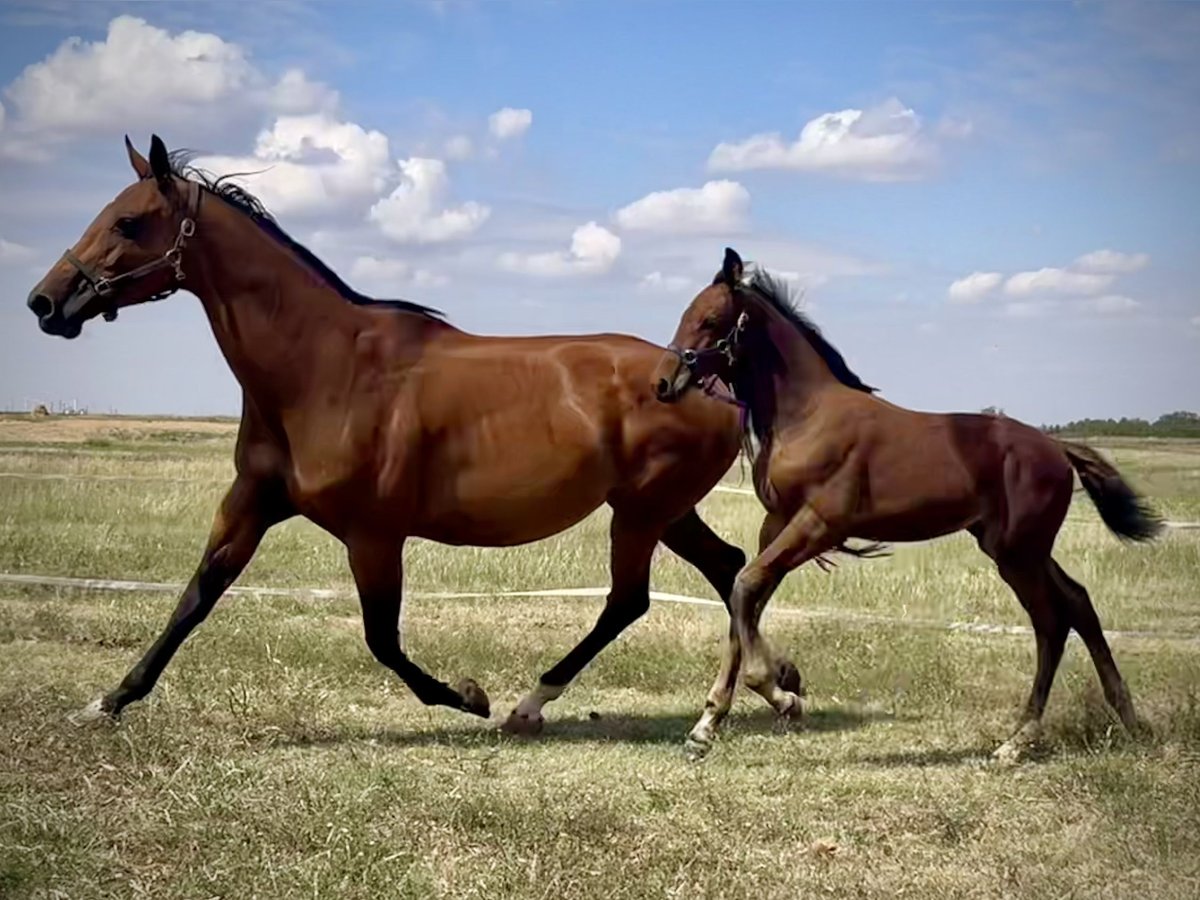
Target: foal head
pixel 706 342
pixel 131 253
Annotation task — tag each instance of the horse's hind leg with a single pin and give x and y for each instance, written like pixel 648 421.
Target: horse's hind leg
pixel 378 574
pixel 1078 605
pixel 628 599
pixel 250 507
pixel 1030 580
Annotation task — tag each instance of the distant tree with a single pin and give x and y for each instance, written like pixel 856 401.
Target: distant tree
pixel 992 411
pixel 1176 424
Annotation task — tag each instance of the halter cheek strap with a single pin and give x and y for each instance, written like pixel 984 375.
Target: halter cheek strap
pixel 172 259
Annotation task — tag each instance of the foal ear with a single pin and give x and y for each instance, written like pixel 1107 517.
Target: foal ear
pixel 731 268
pixel 160 161
pixel 140 166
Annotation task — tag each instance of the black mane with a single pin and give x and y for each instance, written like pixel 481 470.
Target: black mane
pixel 779 295
pixel 240 198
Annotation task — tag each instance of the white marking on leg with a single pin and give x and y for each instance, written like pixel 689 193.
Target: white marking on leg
pixel 531 704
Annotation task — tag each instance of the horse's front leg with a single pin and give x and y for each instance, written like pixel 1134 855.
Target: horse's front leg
pixel 378 573
pixel 251 506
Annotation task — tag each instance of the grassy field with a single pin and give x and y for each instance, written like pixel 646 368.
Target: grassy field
pixel 277 759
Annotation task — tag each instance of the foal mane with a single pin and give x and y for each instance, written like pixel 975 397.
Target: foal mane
pixel 781 297
pixel 244 201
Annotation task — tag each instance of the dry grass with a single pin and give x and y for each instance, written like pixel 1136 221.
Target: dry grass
pixel 277 759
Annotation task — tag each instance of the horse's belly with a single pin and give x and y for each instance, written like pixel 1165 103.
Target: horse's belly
pixel 512 504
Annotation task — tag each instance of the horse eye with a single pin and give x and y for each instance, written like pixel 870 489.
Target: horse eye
pixel 711 323
pixel 129 226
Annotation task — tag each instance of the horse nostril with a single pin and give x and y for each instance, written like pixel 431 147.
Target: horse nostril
pixel 41 305
pixel 663 387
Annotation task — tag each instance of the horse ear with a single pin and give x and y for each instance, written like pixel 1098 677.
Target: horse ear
pixel 140 166
pixel 731 268
pixel 160 161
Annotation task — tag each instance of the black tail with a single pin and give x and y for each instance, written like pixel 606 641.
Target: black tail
pixel 1126 514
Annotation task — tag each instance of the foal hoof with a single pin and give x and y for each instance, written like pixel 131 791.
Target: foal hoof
pixel 474 699
pixel 789 707
pixel 695 750
pixel 787 676
pixel 95 712
pixel 523 724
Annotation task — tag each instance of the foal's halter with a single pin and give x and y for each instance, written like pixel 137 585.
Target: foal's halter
pixel 705 365
pixel 172 259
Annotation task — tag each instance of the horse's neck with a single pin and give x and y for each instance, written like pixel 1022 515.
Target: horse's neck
pixel 275 321
pixel 784 375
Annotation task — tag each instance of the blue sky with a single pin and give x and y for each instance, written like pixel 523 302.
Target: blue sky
pixel 983 204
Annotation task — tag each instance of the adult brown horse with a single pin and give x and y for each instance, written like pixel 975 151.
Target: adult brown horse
pixel 837 462
pixel 379 421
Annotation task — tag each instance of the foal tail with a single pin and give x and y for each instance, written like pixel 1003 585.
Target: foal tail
pixel 1126 514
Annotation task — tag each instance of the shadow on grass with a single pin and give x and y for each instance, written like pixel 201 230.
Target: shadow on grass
pixel 933 756
pixel 667 729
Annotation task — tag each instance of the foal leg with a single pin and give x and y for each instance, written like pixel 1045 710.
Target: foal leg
pixel 250 507
pixel 1031 582
pixel 804 537
pixel 628 600
pixel 1078 605
pixel 378 574
pixel 720 695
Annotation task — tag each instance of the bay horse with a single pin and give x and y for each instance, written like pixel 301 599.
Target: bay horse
pixel 837 462
pixel 379 421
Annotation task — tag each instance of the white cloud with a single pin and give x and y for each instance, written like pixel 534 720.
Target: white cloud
pixel 382 275
pixel 459 147
pixel 12 252
pixel 1195 322
pixel 1111 304
pixel 657 281
pixel 718 206
pixel 593 251
pixel 508 123
pixel 413 213
pixel 884 143
pixel 1056 281
pixel 311 163
pixel 1111 262
pixel 974 287
pixel 143 76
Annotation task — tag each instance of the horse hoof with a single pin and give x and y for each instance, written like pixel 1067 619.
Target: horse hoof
pixel 787 676
pixel 522 724
pixel 1010 753
pixel 695 750
pixel 790 708
pixel 474 698
pixel 94 712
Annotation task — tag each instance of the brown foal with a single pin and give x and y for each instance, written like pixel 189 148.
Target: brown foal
pixel 379 421
pixel 836 462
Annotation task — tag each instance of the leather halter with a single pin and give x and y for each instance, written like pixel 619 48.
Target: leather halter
pixel 704 365
pixel 106 288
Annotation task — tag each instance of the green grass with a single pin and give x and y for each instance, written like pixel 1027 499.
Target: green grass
pixel 277 759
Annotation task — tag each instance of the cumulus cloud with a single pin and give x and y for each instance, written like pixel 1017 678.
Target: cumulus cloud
pixel 143 76
pixel 670 284
pixel 1052 280
pixel 413 212
pixel 718 206
pixel 593 251
pixel 12 252
pixel 508 123
pixel 382 275
pixel 1111 262
pixel 311 163
pixel 884 143
pixel 974 287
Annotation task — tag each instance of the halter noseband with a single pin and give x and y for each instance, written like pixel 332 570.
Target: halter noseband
pixel 172 259
pixel 701 362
